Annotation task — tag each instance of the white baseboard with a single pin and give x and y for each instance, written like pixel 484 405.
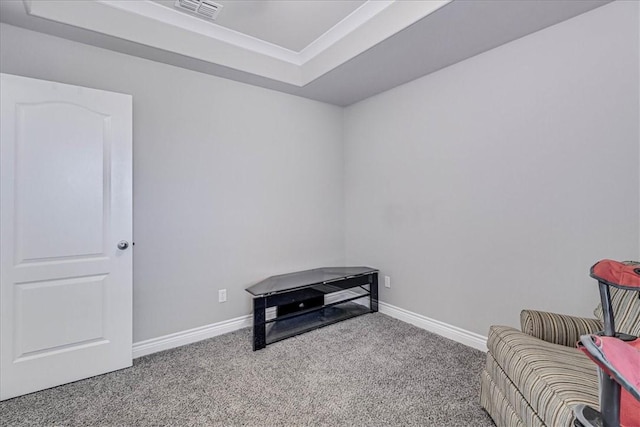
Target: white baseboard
pixel 460 335
pixel 189 336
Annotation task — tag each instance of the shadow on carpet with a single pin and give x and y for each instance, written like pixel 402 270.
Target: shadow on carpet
pixel 372 370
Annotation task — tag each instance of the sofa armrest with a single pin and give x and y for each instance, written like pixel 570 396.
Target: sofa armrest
pixel 557 328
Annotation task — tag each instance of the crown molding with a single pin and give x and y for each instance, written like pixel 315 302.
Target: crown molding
pixel 348 25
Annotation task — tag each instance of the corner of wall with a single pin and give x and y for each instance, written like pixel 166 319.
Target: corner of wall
pixel 343 142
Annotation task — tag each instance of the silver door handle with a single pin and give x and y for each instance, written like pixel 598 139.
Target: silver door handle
pixel 123 244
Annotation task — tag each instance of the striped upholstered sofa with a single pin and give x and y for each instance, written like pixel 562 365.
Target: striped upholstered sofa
pixel 535 376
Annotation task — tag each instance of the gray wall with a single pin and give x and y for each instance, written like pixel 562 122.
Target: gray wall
pixel 232 183
pixel 494 184
pixel 486 187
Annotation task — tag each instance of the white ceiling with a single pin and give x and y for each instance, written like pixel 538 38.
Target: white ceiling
pixel 292 25
pixel 378 45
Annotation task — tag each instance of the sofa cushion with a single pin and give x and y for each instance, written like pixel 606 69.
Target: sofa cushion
pixel 626 310
pixel 552 378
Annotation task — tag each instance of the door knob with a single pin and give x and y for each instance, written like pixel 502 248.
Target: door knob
pixel 123 244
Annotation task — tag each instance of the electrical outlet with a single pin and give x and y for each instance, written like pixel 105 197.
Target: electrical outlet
pixel 222 295
pixel 387 281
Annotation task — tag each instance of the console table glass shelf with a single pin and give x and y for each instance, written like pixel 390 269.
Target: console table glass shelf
pixel 291 304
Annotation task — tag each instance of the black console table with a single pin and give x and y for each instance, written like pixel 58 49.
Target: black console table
pixel 308 300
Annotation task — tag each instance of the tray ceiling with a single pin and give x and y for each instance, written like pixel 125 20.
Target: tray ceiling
pixel 351 49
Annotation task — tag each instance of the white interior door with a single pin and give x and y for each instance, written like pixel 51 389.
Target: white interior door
pixel 65 204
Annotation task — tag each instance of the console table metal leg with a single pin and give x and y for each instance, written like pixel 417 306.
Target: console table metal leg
pixel 373 287
pixel 259 325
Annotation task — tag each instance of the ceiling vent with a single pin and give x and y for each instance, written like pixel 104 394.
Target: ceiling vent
pixel 203 8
